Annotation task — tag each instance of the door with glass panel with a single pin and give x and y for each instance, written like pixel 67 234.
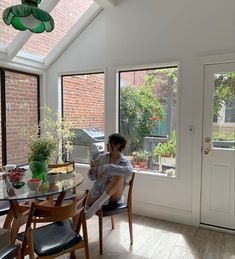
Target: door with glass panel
pixel 218 147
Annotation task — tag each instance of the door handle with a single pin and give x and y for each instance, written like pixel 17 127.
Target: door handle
pixel 207 151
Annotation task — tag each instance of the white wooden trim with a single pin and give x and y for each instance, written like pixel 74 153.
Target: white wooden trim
pixel 197 123
pixel 106 3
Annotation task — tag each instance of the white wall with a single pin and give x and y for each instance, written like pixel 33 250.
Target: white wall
pixel 138 32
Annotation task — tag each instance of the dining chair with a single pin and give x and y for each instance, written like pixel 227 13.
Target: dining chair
pixel 10 252
pixel 4 207
pixel 59 235
pixel 114 209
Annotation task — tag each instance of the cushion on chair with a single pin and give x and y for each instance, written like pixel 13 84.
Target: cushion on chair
pixel 54 238
pixel 4 207
pixel 8 252
pixel 114 209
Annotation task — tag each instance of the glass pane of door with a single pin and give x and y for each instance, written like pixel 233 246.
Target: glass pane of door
pixel 21 112
pixel 223 129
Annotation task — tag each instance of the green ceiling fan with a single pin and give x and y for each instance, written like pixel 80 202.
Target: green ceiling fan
pixel 27 16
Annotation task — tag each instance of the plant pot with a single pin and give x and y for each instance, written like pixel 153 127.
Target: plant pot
pixel 38 169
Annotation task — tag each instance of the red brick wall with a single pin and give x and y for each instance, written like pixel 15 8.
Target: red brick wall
pixel 83 97
pixel 21 111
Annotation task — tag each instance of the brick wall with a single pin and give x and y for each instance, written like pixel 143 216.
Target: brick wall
pixel 21 111
pixel 83 97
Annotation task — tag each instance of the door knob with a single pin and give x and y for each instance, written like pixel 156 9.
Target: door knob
pixel 207 151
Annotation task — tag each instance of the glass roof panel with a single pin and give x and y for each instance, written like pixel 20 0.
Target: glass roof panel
pixel 65 14
pixel 7 33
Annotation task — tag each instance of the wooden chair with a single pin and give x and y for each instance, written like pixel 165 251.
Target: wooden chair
pixel 10 252
pixel 61 235
pixel 114 209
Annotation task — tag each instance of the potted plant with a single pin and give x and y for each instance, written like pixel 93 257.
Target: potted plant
pixel 166 152
pixel 141 158
pixel 51 138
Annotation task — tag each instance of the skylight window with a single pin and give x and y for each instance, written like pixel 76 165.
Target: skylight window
pixel 7 33
pixel 66 14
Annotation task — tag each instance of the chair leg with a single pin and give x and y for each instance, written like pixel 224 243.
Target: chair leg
pixel 130 224
pixel 100 215
pixel 113 222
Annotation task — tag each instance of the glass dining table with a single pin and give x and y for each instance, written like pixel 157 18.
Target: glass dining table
pixel 20 196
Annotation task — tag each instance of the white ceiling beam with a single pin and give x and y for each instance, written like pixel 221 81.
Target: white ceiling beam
pixel 106 3
pixel 72 34
pixel 22 37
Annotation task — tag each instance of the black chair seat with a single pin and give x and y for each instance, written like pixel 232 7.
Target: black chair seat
pixel 4 207
pixel 8 252
pixel 54 238
pixel 114 209
pixel 68 196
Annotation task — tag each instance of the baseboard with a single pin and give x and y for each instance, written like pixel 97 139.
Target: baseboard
pixel 162 212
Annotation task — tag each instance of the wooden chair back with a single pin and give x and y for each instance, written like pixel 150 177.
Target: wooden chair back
pixel 50 214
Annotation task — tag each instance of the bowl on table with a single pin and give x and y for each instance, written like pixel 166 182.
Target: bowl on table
pixel 34 184
pixel 16 175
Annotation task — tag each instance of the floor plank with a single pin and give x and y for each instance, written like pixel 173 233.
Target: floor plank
pixel 157 239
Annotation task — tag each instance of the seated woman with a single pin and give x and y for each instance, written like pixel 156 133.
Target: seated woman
pixel 111 172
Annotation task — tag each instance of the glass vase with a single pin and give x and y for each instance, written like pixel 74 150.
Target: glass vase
pixel 38 169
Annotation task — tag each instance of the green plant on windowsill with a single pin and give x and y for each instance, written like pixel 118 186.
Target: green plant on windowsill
pixel 141 155
pixel 167 149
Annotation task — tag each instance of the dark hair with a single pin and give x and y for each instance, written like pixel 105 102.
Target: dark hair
pixel 118 139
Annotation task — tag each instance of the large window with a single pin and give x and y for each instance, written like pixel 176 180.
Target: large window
pixel 19 109
pixel 148 100
pixel 83 109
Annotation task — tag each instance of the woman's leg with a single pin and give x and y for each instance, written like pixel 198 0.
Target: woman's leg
pixel 115 188
pixel 113 192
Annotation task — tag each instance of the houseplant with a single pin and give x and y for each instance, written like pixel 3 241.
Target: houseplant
pixel 141 158
pixel 51 138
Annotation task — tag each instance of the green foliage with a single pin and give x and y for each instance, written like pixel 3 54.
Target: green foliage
pixel 41 149
pixel 46 138
pixel 167 149
pixel 141 155
pixel 137 108
pixel 224 90
pixel 221 136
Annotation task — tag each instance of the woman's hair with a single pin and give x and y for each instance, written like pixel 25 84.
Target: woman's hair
pixel 115 139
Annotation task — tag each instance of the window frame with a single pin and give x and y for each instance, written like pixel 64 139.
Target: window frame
pixel 175 64
pixel 3 106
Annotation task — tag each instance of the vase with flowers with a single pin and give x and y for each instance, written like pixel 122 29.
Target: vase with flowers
pixel 49 140
pixel 41 150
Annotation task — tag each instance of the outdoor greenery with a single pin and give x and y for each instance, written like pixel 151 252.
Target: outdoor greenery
pixel 50 138
pixel 141 155
pixel 224 90
pixel 167 149
pixel 222 136
pixel 139 112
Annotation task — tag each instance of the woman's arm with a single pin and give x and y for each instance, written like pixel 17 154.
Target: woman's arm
pixel 121 170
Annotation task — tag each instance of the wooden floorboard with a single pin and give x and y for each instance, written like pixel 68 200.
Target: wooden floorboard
pixel 157 239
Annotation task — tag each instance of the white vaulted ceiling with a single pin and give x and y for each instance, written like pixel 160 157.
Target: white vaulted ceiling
pixel 41 50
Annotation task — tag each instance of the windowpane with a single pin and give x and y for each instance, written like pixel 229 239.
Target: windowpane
pixel 83 108
pixel 7 33
pixel 21 112
pixel 224 111
pixel 148 117
pixel 65 15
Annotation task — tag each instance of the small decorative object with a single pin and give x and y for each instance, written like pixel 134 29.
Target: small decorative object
pixel 27 16
pixel 141 158
pixel 34 184
pixel 52 177
pixel 170 172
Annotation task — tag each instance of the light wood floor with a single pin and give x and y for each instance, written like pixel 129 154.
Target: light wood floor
pixel 158 239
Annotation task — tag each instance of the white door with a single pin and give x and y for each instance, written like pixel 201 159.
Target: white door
pixel 218 147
